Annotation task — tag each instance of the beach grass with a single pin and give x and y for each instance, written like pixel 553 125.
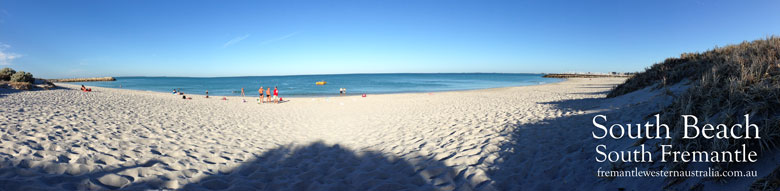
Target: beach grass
pixel 725 84
pixel 770 182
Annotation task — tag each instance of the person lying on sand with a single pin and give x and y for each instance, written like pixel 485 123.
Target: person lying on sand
pixel 85 89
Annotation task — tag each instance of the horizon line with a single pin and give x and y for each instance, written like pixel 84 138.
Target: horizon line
pixel 323 74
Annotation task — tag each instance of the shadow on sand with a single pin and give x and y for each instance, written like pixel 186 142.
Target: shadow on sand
pixel 322 167
pixel 313 167
pixel 31 175
pixel 7 90
pixel 562 151
pixel 536 157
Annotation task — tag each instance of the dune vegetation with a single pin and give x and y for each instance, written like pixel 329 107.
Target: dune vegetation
pixel 725 84
pixel 22 80
pixel 16 79
pixel 8 74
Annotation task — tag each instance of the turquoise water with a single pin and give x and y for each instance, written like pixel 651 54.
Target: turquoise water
pixel 303 85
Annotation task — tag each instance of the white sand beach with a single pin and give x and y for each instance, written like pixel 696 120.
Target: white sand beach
pixel 115 138
pixel 461 95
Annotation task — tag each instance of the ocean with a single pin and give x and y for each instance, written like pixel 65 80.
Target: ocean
pixel 304 85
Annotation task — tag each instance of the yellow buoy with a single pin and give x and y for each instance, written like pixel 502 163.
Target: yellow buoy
pixel 320 83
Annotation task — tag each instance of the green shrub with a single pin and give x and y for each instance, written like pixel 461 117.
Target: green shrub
pixel 22 76
pixel 5 73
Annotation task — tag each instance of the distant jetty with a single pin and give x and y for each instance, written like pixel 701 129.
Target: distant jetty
pixel 83 79
pixel 610 75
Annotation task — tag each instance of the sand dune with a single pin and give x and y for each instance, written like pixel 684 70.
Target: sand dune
pixel 114 138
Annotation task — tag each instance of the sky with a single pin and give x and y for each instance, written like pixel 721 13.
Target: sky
pixel 62 39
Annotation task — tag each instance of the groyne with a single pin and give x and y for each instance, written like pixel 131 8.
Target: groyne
pixel 586 75
pixel 83 79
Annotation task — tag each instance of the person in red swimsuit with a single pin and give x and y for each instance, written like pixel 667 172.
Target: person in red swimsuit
pixel 276 95
pixel 85 89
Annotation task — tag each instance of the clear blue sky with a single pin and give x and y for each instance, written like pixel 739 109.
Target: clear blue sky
pixel 54 39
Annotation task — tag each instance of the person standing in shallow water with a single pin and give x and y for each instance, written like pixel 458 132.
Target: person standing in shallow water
pixel 242 92
pixel 207 93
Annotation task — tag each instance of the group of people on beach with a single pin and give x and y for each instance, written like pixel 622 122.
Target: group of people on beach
pixel 178 92
pixel 342 91
pixel 267 94
pixel 269 97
